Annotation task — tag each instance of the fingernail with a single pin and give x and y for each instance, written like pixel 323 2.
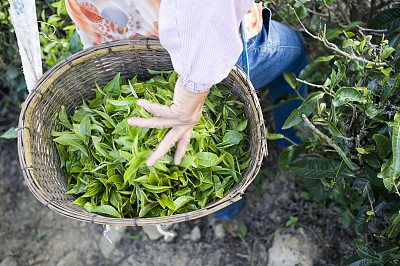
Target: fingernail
pixel 131 121
pixel 140 102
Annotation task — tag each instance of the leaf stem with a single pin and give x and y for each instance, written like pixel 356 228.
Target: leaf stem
pixel 315 85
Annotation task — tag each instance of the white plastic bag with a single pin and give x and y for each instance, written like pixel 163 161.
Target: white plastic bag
pixel 23 17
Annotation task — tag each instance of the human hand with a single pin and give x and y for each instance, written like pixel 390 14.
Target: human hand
pixel 181 117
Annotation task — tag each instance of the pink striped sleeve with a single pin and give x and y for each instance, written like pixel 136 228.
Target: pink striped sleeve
pixel 202 38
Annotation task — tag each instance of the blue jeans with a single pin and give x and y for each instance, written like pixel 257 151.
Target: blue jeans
pixel 277 48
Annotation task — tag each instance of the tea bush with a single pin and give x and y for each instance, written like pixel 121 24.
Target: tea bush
pixel 350 122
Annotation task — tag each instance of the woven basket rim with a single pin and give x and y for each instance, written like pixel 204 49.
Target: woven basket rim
pixel 55 72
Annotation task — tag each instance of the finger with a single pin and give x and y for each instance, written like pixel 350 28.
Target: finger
pixel 153 122
pixel 166 144
pixel 181 146
pixel 156 108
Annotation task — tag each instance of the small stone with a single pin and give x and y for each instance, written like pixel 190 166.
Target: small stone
pixel 195 234
pixel 152 232
pixel 219 231
pixel 292 249
pixel 8 261
pixel 114 234
pixel 70 259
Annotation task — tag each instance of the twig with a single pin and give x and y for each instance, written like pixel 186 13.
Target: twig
pixel 319 133
pixel 354 114
pixel 334 47
pixel 371 30
pixel 246 245
pixel 369 197
pixel 317 86
pixel 311 84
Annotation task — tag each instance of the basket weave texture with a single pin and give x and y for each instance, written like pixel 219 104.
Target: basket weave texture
pixel 74 77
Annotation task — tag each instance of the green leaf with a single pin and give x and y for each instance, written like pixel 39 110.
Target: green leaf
pixel 231 138
pixel 371 160
pixel 350 43
pixel 96 142
pixel 207 159
pixel 157 72
pixel 348 162
pixel 292 221
pixel 387 91
pixel 394 227
pixel 81 201
pixel 122 128
pixel 165 201
pixel 113 87
pixel 84 129
pixel 284 159
pixel 242 229
pixel 314 167
pixel 324 58
pixel 179 202
pixel 396 146
pixel 357 260
pixel 155 189
pixel 388 19
pixel 334 130
pixel 106 117
pixel 242 126
pixel 187 161
pixel 394 39
pixel 336 78
pixel 386 52
pixel 64 118
pixel 383 144
pixel 386 71
pixel 345 95
pixel 146 208
pixel 371 111
pixel 11 133
pixel 306 108
pixel 105 209
pixel 70 140
pixel 290 79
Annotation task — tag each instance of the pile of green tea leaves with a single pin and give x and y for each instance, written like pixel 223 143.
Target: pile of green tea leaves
pixel 105 158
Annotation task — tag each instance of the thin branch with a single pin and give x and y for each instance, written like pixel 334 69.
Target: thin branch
pixel 311 84
pixel 334 47
pixel 369 197
pixel 371 30
pixel 319 133
pixel 354 114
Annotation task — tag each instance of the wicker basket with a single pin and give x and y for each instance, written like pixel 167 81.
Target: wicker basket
pixel 74 77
